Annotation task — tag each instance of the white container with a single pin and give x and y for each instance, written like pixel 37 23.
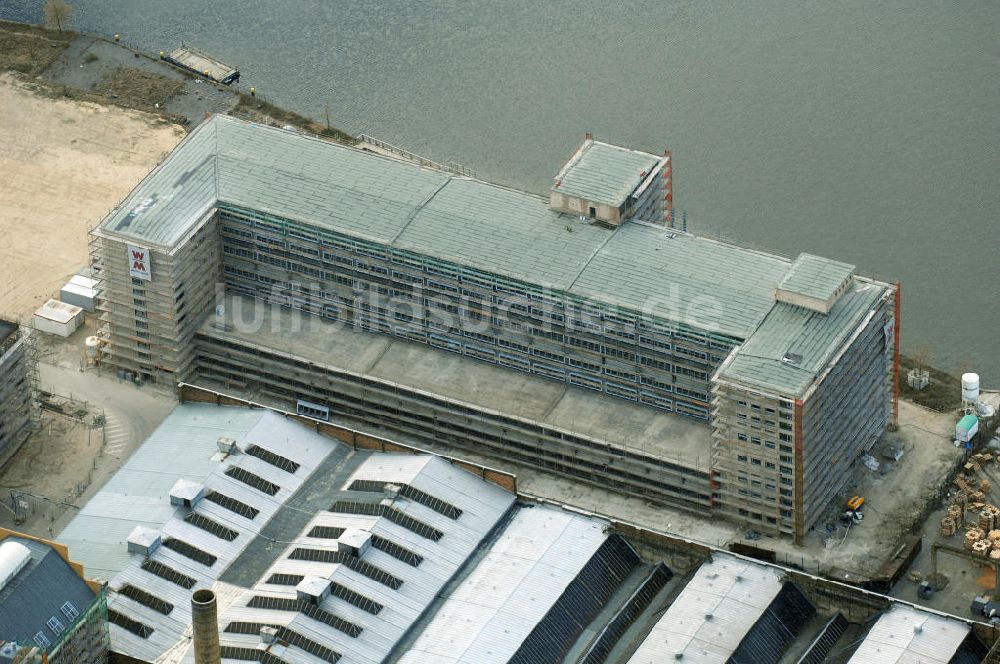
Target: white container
pixel 93 344
pixel 970 387
pixel 58 318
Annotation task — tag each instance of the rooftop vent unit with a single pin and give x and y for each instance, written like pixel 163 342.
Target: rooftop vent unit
pixel 186 493
pixel 227 445
pixel 143 540
pixel 791 358
pixel 392 490
pixel 268 634
pixel 312 590
pixel 355 542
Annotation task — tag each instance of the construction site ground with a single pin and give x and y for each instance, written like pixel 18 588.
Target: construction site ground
pixel 65 164
pixel 91 424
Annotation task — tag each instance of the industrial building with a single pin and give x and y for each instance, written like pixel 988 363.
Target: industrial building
pixel 15 383
pixel 791 365
pixel 48 611
pixel 275 541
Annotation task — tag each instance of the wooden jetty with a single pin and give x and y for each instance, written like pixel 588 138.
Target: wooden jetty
pixel 201 64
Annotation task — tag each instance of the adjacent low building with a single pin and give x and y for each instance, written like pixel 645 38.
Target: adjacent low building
pixel 591 289
pixel 47 608
pixel 320 551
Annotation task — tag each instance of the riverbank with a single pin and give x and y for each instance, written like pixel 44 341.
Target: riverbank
pixel 92 68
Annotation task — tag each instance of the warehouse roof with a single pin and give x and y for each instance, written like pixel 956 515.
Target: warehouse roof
pixel 905 635
pixel 183 446
pixel 712 615
pixel 494 609
pixel 42 600
pixel 794 344
pixel 374 571
pixel 468 222
pixel 602 173
pixel 242 493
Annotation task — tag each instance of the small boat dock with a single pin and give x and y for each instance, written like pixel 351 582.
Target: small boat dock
pixel 202 64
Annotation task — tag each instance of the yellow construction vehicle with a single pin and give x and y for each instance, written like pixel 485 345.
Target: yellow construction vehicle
pixel 855 503
pixel 854 513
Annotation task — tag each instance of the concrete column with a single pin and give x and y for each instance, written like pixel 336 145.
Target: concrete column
pixel 205 623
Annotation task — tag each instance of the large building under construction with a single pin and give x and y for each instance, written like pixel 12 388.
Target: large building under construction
pixel 603 321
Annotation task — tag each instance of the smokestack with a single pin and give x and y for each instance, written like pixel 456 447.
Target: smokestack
pixel 205 622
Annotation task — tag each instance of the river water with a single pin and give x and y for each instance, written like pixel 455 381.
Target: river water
pixel 864 131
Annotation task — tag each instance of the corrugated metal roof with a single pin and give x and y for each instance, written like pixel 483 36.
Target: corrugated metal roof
pixel 905 635
pixel 468 222
pixel 482 505
pixel 711 616
pixel 815 276
pixel 183 446
pixel 794 344
pixel 491 612
pixel 603 173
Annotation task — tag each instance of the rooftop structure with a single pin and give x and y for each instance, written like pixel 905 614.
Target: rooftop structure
pixel 46 603
pixel 573 290
pixel 814 282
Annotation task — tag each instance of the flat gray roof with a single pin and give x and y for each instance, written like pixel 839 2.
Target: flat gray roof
pixel 815 276
pixel 603 173
pixel 469 381
pixel 794 344
pixel 509 233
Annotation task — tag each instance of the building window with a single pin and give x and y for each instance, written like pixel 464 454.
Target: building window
pixel 786 448
pixel 755 462
pixel 769 444
pixel 69 611
pixel 755 440
pixel 742 436
pixel 41 640
pixel 742 458
pixel 769 465
pixel 55 625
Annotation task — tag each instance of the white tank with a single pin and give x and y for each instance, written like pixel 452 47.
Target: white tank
pixel 13 557
pixel 92 344
pixel 970 387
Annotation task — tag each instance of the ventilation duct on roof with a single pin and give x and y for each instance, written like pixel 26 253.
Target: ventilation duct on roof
pixel 227 445
pixel 312 589
pixel 355 542
pixel 143 540
pixel 268 634
pixel 186 493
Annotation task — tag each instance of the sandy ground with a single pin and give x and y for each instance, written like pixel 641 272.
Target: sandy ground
pixel 63 166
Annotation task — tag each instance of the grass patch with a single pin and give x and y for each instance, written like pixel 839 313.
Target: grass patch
pixel 29 49
pixel 139 89
pixel 943 393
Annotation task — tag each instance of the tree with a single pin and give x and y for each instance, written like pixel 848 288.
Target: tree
pixel 57 13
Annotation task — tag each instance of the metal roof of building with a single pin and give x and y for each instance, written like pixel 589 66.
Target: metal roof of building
pixel 603 173
pixel 815 276
pixel 183 446
pixel 494 609
pixel 45 597
pixel 459 506
pixel 794 344
pixel 905 635
pixel 712 615
pixel 277 456
pixel 469 222
pixel 57 311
